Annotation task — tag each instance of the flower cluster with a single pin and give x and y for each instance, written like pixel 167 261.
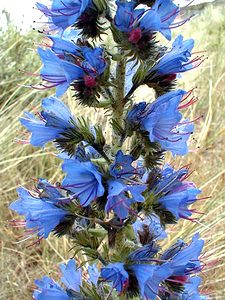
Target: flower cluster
pixel 81 67
pixel 116 196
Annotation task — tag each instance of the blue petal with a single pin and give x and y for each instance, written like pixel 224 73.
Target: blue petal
pixel 84 180
pixel 94 274
pixel 124 15
pixel 153 223
pixel 55 106
pixel 149 277
pixel 188 257
pixel 116 273
pixel 94 62
pixel 39 214
pixel 66 43
pixel 49 290
pixel 72 277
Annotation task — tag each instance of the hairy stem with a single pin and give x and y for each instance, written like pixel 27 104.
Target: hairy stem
pixel 119 102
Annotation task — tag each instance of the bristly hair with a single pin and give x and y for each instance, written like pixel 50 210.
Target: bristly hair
pixel 174 287
pixel 64 227
pixel 161 84
pixel 132 290
pixel 89 24
pixel 142 50
pixel 166 217
pixel 85 95
pixel 149 3
pixel 154 154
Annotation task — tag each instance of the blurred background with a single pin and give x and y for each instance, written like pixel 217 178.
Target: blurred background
pixel 19 164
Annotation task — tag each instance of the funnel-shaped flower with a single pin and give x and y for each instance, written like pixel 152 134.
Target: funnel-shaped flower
pixel 116 273
pixel 59 73
pixel 163 122
pixel 177 60
pixel 138 22
pixel 42 215
pixel 48 289
pixel 185 260
pixel 54 120
pixel 63 14
pixel 174 193
pixel 122 196
pixel 84 180
pixel 65 65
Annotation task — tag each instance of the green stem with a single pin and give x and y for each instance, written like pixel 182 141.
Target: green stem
pixel 119 102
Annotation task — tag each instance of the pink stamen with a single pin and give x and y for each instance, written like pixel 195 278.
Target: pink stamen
pixel 189 122
pixel 36 242
pixel 28 73
pixel 173 13
pixel 178 24
pixel 22 142
pixel 41 117
pixel 177 280
pixel 189 103
pixel 187 175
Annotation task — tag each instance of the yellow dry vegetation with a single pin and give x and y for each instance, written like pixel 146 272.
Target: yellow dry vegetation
pixel 19 164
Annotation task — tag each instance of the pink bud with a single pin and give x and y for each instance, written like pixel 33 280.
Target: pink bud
pixel 89 81
pixel 135 35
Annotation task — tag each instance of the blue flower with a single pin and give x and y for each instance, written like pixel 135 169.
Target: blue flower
pixel 186 260
pixel 126 15
pixel 60 73
pixel 94 274
pixel 124 186
pixel 55 119
pixel 191 290
pixel 160 17
pixel 122 196
pixel 154 228
pixel 175 61
pixel 71 65
pixel 64 13
pixel 176 194
pixel 41 214
pixel 163 121
pixel 122 167
pixel 149 278
pixel 48 289
pixel 183 260
pixel 137 22
pixel 61 45
pixel 94 63
pixel 177 203
pixel 116 273
pixel 171 180
pixel 72 277
pixel 84 180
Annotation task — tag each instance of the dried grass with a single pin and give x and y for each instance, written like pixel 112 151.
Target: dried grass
pixel 20 163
